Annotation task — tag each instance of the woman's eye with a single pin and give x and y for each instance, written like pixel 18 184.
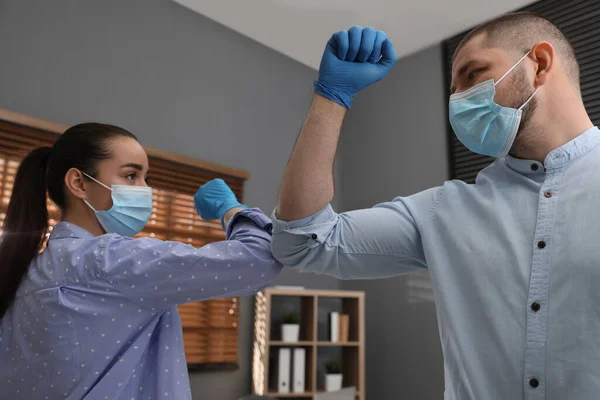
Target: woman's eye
pixel 131 177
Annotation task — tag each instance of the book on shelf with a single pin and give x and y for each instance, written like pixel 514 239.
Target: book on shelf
pixel 339 327
pixel 344 327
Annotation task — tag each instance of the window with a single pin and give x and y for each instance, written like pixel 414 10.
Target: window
pixel 210 328
pixel 580 21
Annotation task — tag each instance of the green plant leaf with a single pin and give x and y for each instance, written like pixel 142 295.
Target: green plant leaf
pixel 333 367
pixel 290 319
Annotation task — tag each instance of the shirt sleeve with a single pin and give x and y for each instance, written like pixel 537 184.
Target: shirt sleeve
pixel 382 241
pixel 158 274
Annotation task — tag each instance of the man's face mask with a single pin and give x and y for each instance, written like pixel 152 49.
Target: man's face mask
pixel 131 209
pixel 480 124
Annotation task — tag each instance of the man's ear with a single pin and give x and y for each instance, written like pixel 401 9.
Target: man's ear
pixel 544 56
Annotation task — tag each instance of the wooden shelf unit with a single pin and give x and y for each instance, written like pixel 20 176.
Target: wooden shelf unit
pixel 267 343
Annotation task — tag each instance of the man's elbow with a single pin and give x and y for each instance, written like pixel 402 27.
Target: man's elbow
pixel 297 252
pixel 289 250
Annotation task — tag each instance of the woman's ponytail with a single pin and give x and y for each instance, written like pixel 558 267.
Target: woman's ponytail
pixel 25 225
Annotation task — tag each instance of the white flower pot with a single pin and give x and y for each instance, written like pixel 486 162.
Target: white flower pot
pixel 333 382
pixel 290 333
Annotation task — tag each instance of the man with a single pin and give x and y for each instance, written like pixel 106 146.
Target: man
pixel 514 259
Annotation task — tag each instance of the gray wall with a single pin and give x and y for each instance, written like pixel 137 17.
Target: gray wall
pixel 181 82
pixel 394 144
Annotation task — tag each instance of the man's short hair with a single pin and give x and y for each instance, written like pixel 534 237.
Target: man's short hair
pixel 520 31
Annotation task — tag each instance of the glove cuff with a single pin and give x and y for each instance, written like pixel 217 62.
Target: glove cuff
pixel 333 94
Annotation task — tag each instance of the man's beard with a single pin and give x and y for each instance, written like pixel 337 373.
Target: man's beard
pixel 522 92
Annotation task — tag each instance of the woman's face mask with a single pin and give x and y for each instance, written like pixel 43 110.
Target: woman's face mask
pixel 131 209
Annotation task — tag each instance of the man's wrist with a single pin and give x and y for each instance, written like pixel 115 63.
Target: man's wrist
pixel 323 104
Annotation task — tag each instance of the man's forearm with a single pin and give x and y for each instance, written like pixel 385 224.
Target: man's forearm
pixel 307 184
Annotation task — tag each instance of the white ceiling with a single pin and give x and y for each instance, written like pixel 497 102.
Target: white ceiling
pixel 300 28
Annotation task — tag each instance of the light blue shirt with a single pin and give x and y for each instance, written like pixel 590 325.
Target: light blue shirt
pixel 515 266
pixel 96 317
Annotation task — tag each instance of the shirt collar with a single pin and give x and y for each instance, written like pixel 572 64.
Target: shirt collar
pixel 571 150
pixel 68 230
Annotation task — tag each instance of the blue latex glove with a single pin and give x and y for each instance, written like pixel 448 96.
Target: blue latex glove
pixel 214 199
pixel 353 60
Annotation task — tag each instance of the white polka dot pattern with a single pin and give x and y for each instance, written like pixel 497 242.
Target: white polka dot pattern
pixel 101 311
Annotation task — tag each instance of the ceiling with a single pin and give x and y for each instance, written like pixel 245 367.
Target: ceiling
pixel 300 28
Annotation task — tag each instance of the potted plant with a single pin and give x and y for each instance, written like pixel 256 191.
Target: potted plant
pixel 333 377
pixel 290 330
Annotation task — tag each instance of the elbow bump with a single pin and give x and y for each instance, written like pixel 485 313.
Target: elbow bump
pixel 294 250
pixel 259 242
pixel 284 254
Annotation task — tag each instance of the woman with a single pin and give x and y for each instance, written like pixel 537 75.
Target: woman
pixel 94 315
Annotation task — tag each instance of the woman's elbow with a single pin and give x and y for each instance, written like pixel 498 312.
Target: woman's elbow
pixel 270 272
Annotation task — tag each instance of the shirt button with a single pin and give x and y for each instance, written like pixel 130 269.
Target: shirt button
pixel 534 167
pixel 548 194
pixel 535 306
pixel 541 244
pixel 314 236
pixel 534 383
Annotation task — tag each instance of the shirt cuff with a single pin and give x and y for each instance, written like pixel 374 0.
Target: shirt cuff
pixel 316 227
pixel 253 214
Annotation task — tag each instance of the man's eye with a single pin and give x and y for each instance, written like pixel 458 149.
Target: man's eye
pixel 473 74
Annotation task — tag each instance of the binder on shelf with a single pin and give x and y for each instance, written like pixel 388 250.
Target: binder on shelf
pixel 283 375
pixel 334 326
pixel 344 328
pixel 299 368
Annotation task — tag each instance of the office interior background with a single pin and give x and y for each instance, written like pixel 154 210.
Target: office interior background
pixel 230 82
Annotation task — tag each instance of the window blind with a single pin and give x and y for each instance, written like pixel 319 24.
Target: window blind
pixel 210 328
pixel 580 21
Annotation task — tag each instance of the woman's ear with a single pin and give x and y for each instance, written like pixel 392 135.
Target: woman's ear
pixel 75 183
